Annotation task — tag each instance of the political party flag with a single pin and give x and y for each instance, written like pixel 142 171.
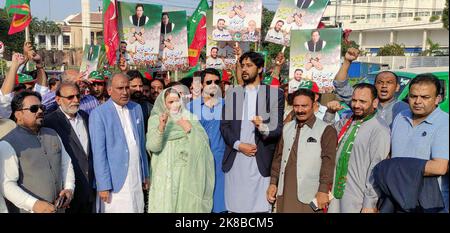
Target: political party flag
pixel 197 32
pixel 21 15
pixel 111 31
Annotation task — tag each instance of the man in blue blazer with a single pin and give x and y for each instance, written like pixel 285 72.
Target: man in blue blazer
pixel 251 126
pixel 118 146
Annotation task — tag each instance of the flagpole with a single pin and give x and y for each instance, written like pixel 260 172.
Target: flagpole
pixel 27 39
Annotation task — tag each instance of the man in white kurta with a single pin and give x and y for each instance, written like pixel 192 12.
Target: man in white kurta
pixel 118 144
pixel 130 199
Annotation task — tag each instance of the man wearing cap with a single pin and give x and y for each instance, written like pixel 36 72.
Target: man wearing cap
pixel 303 164
pixel 32 183
pixel 98 86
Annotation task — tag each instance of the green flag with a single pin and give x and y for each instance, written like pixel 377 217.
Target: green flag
pixel 20 7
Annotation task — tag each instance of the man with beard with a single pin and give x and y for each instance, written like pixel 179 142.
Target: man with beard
pixel 220 32
pixel 137 94
pixel 71 124
pixel 38 171
pixel 275 34
pixel 156 87
pixel 303 165
pixel 122 52
pixel 387 84
pixel 98 86
pixel 208 109
pixel 146 89
pixel 363 141
pixel 214 61
pixel 251 126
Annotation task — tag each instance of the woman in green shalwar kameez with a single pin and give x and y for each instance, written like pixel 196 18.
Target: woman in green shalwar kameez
pixel 182 165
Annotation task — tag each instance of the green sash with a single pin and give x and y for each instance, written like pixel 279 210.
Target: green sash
pixel 342 164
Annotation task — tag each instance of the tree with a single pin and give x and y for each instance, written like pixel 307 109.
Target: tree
pixel 345 46
pixel 43 26
pixel 392 50
pixel 271 48
pixel 13 43
pixel 445 15
pixel 433 49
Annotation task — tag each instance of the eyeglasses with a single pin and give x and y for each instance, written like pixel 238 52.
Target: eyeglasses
pixel 71 97
pixel 35 108
pixel 209 82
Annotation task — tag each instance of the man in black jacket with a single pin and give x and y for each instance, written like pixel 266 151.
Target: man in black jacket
pixel 251 125
pixel 71 124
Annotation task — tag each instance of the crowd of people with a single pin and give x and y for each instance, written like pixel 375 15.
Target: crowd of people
pixel 120 142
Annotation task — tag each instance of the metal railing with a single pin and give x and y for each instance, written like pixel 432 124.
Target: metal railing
pixel 405 62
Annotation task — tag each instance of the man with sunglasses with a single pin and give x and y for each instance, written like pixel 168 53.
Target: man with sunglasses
pixel 38 170
pixel 72 124
pixel 208 109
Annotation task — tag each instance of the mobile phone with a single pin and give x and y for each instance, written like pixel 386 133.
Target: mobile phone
pixel 60 201
pixel 313 204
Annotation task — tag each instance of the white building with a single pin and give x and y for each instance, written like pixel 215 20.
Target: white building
pixel 376 23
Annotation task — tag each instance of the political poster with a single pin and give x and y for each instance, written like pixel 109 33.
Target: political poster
pixel 90 58
pixel 173 47
pixel 237 20
pixel 220 54
pixel 315 56
pixel 295 15
pixel 140 29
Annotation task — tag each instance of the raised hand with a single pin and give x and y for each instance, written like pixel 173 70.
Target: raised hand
pixel 163 121
pixel 18 59
pixel 334 106
pixel 352 54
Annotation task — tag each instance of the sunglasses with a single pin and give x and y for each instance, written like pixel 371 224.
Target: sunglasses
pixel 209 82
pixel 71 97
pixel 35 108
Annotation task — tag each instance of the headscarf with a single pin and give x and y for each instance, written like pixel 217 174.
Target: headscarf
pixel 173 130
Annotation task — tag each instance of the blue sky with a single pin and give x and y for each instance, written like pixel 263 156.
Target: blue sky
pixel 60 9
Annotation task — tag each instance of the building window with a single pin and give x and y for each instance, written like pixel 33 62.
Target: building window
pixel 92 37
pixel 66 40
pixel 344 17
pixel 359 1
pixel 389 15
pixel 405 14
pixel 41 39
pixel 424 13
pixel 437 13
pixel 325 18
pixel 53 39
pixel 359 16
pixel 374 16
pixel 370 1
